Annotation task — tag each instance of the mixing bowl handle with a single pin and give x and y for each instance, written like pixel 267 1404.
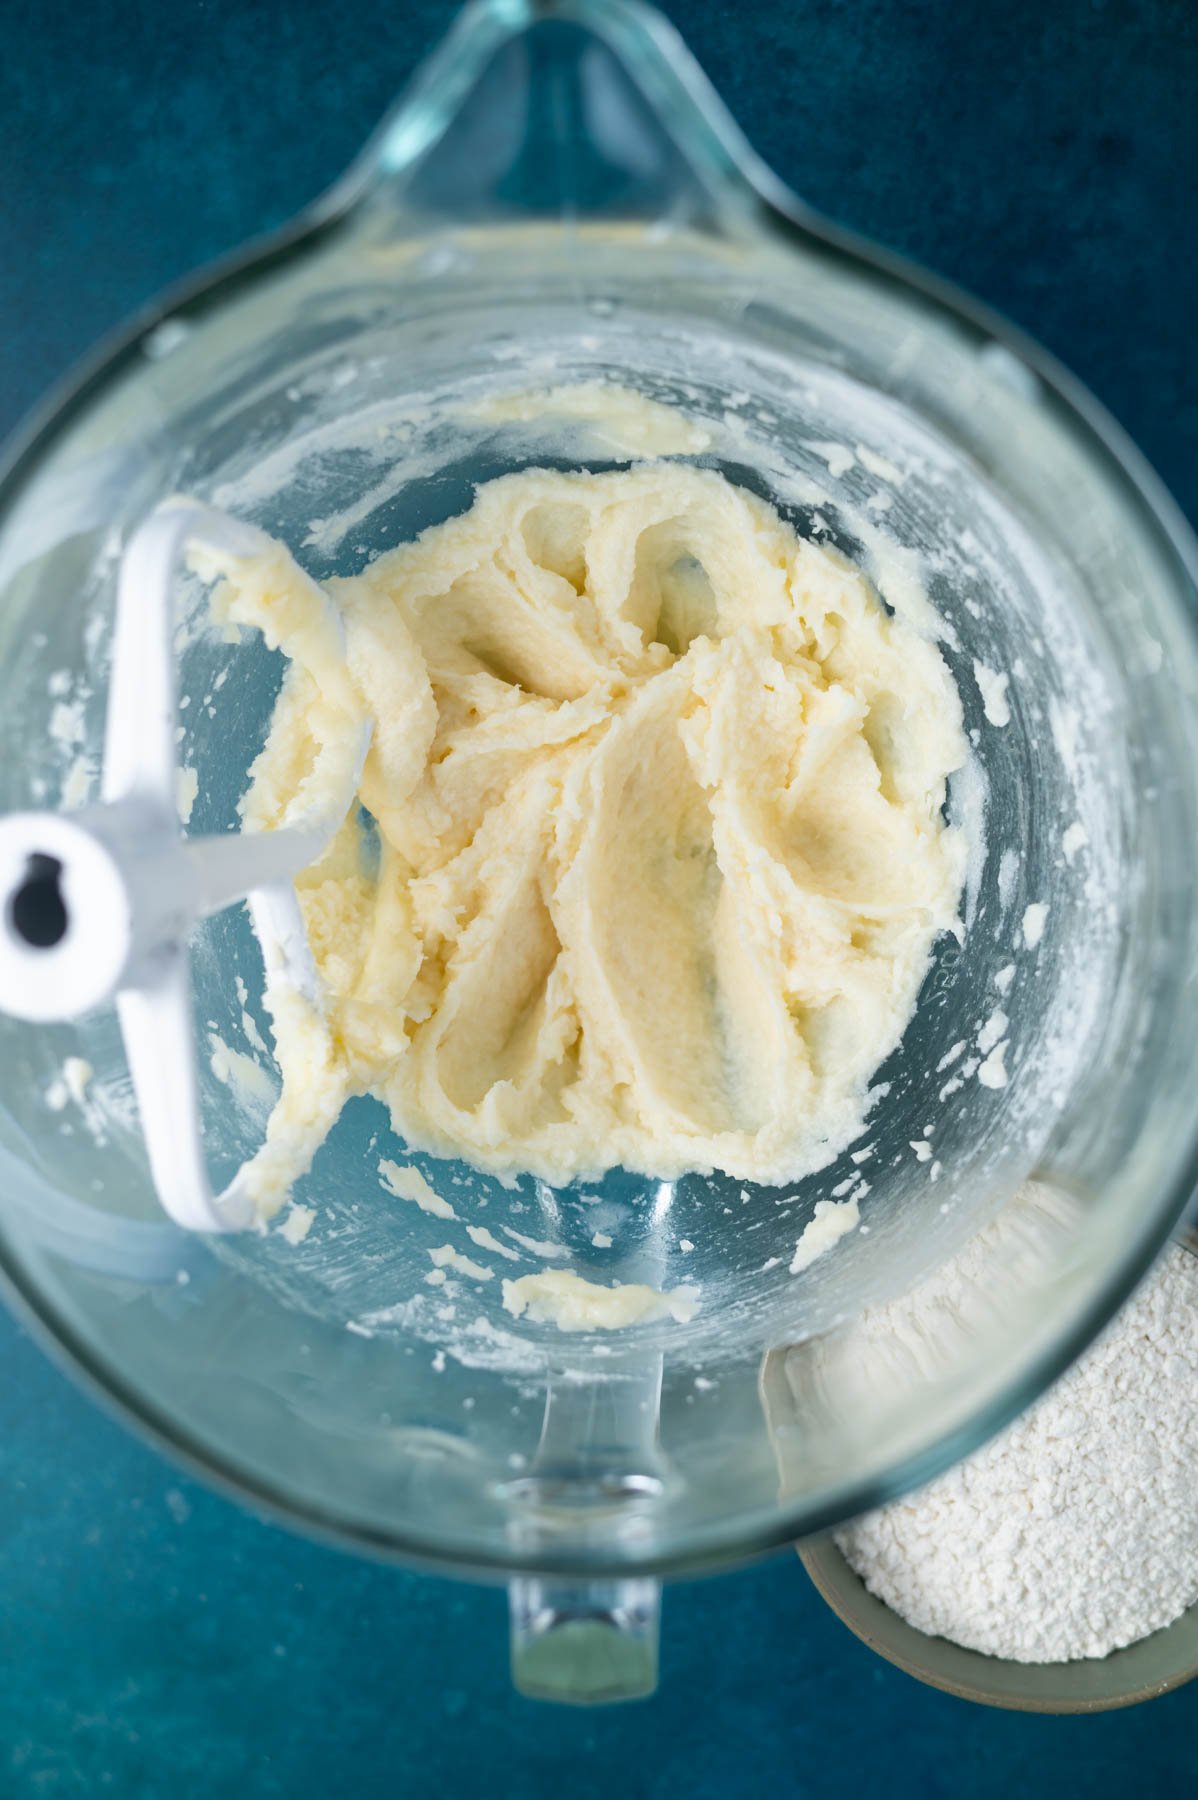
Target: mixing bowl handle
pixel 584 1642
pixel 597 1477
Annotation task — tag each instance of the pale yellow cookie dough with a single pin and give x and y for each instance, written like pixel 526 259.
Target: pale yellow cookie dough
pixel 659 792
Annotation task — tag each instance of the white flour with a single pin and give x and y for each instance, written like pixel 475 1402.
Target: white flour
pixel 1076 1531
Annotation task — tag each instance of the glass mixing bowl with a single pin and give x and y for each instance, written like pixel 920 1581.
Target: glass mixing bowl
pixel 559 200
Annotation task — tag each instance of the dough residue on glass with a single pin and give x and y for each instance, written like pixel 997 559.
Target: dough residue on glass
pixel 410 1184
pixel 559 1297
pixel 650 852
pixel 829 1223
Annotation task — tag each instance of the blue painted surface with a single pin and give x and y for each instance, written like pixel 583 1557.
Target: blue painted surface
pixel 155 1640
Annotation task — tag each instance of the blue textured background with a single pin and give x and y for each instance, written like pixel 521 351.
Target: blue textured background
pixel 153 1639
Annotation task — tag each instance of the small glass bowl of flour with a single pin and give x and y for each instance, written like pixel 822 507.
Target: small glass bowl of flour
pixel 1057 1568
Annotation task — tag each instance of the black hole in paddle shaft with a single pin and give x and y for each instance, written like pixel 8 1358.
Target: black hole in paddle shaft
pixel 37 909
